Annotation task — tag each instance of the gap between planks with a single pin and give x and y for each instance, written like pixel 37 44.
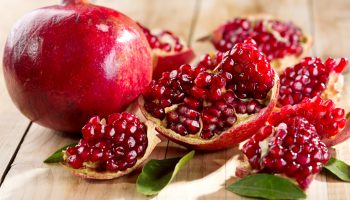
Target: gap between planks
pixel 9 165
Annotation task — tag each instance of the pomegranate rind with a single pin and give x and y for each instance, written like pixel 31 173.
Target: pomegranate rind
pixel 229 138
pixel 279 64
pixel 89 173
pixel 163 62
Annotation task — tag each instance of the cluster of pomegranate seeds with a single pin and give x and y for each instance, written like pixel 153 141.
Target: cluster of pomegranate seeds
pixel 111 146
pixel 251 74
pixel 274 38
pixel 323 114
pixel 217 118
pixel 308 78
pixel 294 149
pixel 170 89
pixel 164 40
pixel 183 120
pixel 293 137
pixel 185 97
pixel 210 61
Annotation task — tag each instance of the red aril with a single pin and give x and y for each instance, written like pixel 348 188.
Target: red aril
pixel 291 143
pixel 283 43
pixel 213 109
pixel 110 147
pixel 65 63
pixel 311 77
pixel 169 51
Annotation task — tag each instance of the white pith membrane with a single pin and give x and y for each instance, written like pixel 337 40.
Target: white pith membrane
pixel 279 64
pixel 195 139
pixel 89 168
pixel 166 38
pixel 334 87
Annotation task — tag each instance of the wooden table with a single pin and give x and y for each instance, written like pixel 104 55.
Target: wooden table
pixel 24 145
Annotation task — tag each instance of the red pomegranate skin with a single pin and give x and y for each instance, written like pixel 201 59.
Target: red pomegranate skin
pixel 66 63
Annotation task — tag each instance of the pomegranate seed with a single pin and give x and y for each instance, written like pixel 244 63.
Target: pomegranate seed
pixel 96 155
pixel 74 161
pixel 111 165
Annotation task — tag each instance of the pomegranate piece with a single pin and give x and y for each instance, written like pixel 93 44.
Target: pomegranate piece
pixel 110 148
pixel 169 51
pixel 294 149
pixel 291 143
pixel 311 78
pixel 323 114
pixel 66 63
pixel 213 109
pixel 283 43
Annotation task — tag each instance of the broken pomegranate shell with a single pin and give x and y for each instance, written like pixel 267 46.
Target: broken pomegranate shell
pixel 213 109
pixel 283 43
pixel 292 148
pixel 323 114
pixel 169 51
pixel 295 140
pixel 311 77
pixel 110 147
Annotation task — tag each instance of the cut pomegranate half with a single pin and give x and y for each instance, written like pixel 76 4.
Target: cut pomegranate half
pixel 111 148
pixel 214 109
pixel 169 51
pixel 311 78
pixel 283 43
pixel 292 141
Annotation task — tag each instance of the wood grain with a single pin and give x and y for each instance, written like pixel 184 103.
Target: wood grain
pixel 331 28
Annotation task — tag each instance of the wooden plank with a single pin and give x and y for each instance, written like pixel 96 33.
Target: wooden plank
pixel 332 25
pixel 13 124
pixel 29 178
pixel 331 28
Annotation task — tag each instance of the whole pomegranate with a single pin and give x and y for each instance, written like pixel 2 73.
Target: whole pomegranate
pixel 65 63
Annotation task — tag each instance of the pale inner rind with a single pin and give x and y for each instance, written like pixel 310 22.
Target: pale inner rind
pixel 334 88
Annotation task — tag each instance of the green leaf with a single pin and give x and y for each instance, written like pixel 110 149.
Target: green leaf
pixel 156 174
pixel 339 168
pixel 266 186
pixel 58 155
